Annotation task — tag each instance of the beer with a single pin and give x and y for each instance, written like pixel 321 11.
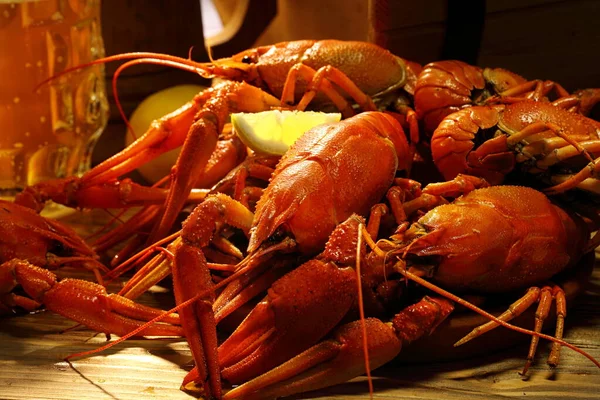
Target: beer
pixel 48 131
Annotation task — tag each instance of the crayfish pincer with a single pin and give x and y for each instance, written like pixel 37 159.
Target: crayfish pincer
pixel 491 239
pixel 27 237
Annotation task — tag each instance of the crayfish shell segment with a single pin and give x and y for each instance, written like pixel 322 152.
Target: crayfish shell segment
pixel 331 172
pixel 444 87
pixel 385 71
pixel 517 116
pixel 454 141
pixel 499 239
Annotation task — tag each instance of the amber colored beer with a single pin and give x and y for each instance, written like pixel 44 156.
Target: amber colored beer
pixel 49 131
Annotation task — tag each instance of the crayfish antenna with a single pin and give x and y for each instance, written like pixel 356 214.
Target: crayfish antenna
pixel 139 256
pixel 190 53
pixel 157 58
pixel 400 268
pixel 134 58
pixel 361 308
pixel 113 219
pixel 209 52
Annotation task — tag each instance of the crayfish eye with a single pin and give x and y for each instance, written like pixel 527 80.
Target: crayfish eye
pixel 57 249
pixel 247 60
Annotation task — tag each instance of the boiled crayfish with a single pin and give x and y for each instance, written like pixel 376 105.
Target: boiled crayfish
pixel 313 213
pixel 327 175
pixel 31 238
pixel 307 71
pixel 542 139
pixel 31 246
pixel 473 244
pixel 444 87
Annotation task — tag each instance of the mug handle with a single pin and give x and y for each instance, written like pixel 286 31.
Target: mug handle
pixel 248 21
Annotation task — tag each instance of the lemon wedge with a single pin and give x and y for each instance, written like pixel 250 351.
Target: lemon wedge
pixel 273 132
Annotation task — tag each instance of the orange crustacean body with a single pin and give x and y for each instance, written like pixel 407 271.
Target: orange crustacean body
pixel 307 231
pixel 490 240
pixel 314 186
pixel 500 239
pixel 444 87
pixel 322 74
pixel 492 141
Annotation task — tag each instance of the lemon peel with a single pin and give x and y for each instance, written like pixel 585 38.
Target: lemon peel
pixel 273 132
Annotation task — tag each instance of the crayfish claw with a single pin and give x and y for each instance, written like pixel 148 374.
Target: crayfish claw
pixel 330 362
pixel 342 356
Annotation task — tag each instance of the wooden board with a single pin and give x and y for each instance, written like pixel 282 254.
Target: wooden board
pixel 538 39
pixel 32 349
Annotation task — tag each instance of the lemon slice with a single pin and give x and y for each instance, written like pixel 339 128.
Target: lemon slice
pixel 273 132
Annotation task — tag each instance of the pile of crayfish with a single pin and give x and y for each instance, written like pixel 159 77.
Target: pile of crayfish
pixel 347 247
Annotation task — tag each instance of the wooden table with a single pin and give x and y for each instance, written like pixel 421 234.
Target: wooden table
pixel 32 349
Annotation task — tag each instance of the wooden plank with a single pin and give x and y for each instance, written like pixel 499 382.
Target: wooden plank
pixel 493 6
pixel 422 44
pixel 315 19
pixel 130 26
pixel 32 349
pixel 555 43
pixel 545 39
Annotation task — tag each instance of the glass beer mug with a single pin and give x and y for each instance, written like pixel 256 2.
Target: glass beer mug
pixel 48 131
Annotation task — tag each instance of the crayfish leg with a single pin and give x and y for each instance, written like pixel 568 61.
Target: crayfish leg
pixel 561 313
pixel 317 83
pixel 573 181
pixel 544 297
pixel 198 229
pixel 82 301
pixel 460 185
pixel 406 196
pixel 229 152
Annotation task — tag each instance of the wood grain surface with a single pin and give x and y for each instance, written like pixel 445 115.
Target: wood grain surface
pixel 32 348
